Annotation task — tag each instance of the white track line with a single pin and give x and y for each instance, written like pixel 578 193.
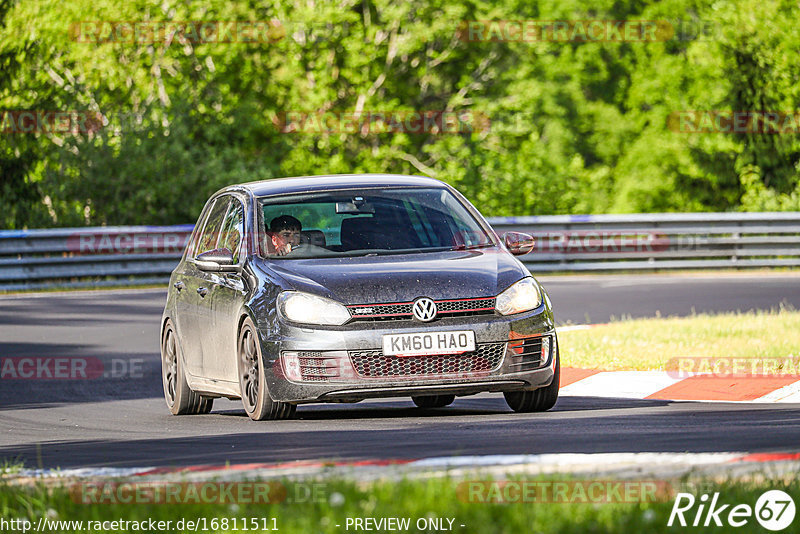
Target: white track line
pixel 620 384
pixel 790 393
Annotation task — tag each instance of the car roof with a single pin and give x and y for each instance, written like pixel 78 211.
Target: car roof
pixel 303 184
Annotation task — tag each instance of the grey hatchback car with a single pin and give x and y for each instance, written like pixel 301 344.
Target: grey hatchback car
pixel 348 287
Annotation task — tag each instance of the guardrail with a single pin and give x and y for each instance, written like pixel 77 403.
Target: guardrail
pixel 90 257
pixel 656 241
pixel 134 255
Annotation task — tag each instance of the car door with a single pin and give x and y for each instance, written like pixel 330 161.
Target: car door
pixel 227 297
pixel 196 317
pixel 185 284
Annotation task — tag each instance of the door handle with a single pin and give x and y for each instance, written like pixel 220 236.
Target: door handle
pixel 202 291
pixel 179 285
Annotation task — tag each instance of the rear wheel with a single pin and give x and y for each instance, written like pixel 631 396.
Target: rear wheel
pixel 433 401
pixel 539 400
pixel 252 379
pixel 181 400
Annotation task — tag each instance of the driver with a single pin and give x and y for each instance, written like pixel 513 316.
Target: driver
pixel 285 234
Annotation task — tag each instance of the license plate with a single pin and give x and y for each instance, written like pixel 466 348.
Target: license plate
pixel 429 343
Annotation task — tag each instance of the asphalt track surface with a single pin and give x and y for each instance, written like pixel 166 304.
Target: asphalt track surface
pixel 123 421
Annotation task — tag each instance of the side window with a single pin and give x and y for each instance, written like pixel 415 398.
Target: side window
pixel 209 237
pixel 233 230
pixel 198 229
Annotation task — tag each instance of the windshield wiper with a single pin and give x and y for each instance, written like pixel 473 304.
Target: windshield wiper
pixel 471 247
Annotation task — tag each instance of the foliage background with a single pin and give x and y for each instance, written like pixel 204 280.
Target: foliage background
pixel 576 127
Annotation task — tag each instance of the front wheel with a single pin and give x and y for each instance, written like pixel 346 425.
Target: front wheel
pixel 539 400
pixel 252 379
pixel 181 400
pixel 433 401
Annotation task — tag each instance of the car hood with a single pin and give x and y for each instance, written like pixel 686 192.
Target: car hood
pixel 402 277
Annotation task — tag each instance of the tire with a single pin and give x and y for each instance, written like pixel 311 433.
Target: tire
pixel 206 404
pixel 180 398
pixel 252 380
pixel 433 401
pixel 538 400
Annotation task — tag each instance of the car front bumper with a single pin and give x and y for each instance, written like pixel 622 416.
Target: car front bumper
pixel 501 364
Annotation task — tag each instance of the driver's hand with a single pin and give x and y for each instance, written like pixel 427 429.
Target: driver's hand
pixel 283 250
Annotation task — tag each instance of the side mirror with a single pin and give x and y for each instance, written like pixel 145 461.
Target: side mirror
pixel 518 243
pixel 216 261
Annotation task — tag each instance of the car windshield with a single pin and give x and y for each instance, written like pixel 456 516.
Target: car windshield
pixel 368 222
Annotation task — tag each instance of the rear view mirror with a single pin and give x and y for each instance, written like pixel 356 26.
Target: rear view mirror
pixel 355 207
pixel 518 243
pixel 217 260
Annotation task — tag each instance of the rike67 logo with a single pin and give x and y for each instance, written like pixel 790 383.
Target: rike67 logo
pixel 774 510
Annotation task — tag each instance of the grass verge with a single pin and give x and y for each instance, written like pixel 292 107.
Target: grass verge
pixel 9 467
pixel 327 506
pixel 648 344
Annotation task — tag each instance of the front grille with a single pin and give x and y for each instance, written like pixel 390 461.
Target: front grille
pixel 377 312
pixel 374 364
pixel 402 310
pixel 526 354
pixel 314 368
pixel 454 306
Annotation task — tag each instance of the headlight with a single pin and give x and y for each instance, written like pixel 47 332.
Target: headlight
pixel 311 309
pixel 522 296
